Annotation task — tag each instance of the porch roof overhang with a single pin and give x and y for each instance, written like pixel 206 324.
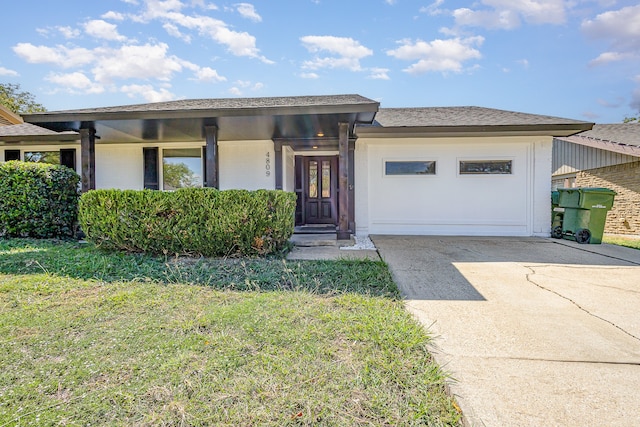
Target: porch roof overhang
pixel 299 119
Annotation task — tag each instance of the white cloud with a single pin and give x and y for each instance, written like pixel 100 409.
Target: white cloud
pixel 433 9
pixel 248 11
pixel 174 31
pixel 148 93
pixel 508 14
pixel 524 63
pixel 75 83
pixel 114 16
pixel 238 43
pixel 621 28
pixel 608 57
pixel 68 32
pixel 438 55
pixel 309 76
pixel 8 72
pixel 101 29
pixel 346 52
pixel 379 74
pixel 242 85
pixel 207 74
pixel 59 55
pixel 505 19
pixel 136 62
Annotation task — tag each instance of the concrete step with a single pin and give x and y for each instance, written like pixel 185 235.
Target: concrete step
pixel 321 239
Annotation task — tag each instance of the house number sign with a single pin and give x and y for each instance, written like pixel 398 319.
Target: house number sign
pixel 267 164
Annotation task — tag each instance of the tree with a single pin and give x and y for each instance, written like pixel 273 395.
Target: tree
pixel 20 102
pixel 178 175
pixel 632 119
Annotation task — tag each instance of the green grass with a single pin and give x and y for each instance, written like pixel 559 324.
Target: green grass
pixel 95 338
pixel 622 241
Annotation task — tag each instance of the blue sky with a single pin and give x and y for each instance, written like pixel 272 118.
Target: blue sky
pixel 571 58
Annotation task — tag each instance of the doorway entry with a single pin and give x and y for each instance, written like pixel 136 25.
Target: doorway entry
pixel 317 188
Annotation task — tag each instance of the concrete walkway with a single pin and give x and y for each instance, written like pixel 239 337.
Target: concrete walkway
pixel 323 246
pixel 535 332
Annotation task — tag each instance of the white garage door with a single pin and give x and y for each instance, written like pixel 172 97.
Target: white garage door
pixel 449 188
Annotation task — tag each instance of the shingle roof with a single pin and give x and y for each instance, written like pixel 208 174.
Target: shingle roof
pixel 620 133
pixel 27 131
pixel 225 104
pixel 462 116
pixel 623 138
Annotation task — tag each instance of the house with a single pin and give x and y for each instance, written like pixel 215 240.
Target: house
pixel 16 137
pixel 606 156
pixel 366 169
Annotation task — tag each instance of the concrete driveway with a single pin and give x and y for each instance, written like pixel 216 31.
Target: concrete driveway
pixel 535 332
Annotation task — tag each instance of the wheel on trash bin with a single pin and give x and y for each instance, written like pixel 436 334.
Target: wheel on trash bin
pixel 583 235
pixel 556 232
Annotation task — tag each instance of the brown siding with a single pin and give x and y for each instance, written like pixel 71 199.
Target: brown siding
pixel 624 179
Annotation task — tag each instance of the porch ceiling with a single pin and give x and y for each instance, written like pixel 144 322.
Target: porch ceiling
pixel 293 118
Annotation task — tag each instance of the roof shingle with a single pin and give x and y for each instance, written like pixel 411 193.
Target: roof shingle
pixel 462 116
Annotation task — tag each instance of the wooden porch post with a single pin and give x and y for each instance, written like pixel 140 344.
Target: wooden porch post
pixel 352 201
pixel 88 158
pixel 343 181
pixel 211 157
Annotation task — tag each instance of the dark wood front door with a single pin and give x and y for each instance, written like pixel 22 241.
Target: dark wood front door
pixel 320 190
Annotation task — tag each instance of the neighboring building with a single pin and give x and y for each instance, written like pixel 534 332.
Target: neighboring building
pixel 8 117
pixel 442 171
pixel 606 156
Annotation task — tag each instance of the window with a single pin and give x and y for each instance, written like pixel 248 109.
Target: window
pixel 52 157
pixel 486 167
pixel 65 157
pixel 410 168
pixel 181 168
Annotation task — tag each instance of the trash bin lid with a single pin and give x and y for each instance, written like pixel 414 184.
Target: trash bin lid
pixel 596 190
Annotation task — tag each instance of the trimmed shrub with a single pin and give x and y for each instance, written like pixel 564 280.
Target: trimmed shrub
pixel 189 221
pixel 37 200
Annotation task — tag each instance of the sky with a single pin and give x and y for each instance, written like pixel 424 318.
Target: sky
pixel 577 59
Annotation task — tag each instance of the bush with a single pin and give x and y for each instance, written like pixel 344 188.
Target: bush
pixel 37 200
pixel 193 221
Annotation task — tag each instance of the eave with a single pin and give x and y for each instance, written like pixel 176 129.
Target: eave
pixel 471 131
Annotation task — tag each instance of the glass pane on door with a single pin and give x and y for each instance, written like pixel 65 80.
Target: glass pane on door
pixel 313 179
pixel 326 178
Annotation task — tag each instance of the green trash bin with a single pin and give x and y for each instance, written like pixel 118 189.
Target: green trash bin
pixel 585 213
pixel 556 214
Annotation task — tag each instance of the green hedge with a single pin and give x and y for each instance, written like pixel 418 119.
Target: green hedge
pixel 195 221
pixel 37 200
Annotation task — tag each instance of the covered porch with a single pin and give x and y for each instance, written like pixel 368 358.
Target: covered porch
pixel 307 136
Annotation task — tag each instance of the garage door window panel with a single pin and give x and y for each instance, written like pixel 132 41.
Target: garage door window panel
pixel 409 168
pixel 486 167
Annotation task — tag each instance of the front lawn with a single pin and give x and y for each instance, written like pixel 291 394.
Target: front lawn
pixel 629 242
pixel 95 338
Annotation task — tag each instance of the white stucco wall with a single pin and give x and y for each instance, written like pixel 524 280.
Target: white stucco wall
pixel 119 166
pixel 288 169
pixel 449 203
pixel 248 165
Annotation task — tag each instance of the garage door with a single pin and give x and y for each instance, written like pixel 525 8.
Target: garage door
pixel 449 188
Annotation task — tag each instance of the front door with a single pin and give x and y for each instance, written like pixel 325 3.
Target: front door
pixel 320 191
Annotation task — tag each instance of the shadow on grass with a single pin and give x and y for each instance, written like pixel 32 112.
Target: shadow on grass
pixel 85 261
